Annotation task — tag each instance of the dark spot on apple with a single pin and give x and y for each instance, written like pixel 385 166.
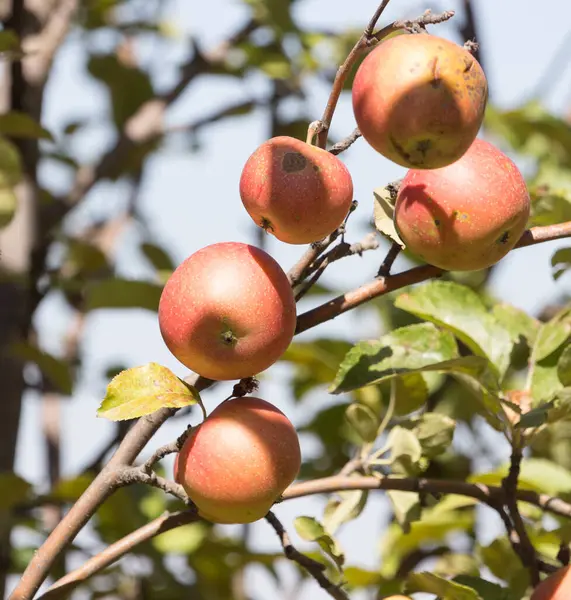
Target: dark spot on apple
pixel 504 237
pixel 316 168
pixel 293 162
pixel 437 222
pixel 266 224
pixel 423 146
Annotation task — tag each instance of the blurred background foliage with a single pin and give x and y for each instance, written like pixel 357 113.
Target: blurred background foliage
pixel 71 252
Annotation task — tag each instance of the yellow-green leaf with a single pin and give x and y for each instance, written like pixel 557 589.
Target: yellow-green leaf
pixel 143 390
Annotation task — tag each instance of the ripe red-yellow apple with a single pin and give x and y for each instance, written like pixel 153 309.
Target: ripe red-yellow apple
pixel 555 587
pixel 466 216
pixel 237 463
pixel 296 191
pixel 227 311
pixel 419 100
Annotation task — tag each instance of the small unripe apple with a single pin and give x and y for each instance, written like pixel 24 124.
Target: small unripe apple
pixel 227 311
pixel 296 191
pixel 466 216
pixel 419 100
pixel 555 587
pixel 237 463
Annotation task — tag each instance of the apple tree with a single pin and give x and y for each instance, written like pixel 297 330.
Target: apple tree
pixel 408 413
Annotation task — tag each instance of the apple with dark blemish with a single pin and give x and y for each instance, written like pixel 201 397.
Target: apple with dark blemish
pixel 466 216
pixel 227 311
pixel 419 100
pixel 298 192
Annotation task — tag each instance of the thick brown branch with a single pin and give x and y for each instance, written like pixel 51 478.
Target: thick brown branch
pixel 380 287
pixel 63 587
pixel 314 568
pixel 490 495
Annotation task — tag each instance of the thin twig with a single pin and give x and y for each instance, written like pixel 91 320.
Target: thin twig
pixel 343 72
pixel 314 568
pixel 346 143
pixel 342 250
pixel 160 453
pixel 514 522
pixel 299 271
pixel 130 475
pixel 385 268
pixel 382 286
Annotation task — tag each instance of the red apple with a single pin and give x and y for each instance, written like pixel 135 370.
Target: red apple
pixel 419 100
pixel 466 216
pixel 555 587
pixel 237 463
pixel 227 311
pixel 296 191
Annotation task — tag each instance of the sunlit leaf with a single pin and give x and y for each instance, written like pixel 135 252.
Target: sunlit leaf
pixel 443 588
pixel 403 350
pixel 343 507
pixel 312 530
pixel 363 420
pixel 384 208
pixel 460 310
pixel 143 390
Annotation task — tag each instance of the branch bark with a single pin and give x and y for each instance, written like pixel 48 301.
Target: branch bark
pixel 314 568
pixel 384 285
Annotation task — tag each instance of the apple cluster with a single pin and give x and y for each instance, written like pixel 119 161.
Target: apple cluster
pixel 228 311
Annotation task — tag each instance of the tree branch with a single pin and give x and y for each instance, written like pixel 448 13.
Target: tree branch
pixel 341 75
pixel 63 587
pixel 314 568
pixel 342 250
pixel 346 143
pixel 513 520
pixel 147 122
pixel 380 287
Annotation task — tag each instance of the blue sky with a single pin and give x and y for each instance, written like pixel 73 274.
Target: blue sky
pixel 192 201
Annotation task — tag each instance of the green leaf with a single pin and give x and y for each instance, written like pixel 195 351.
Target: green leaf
pixel 406 451
pixel 343 508
pixel 10 164
pixel 123 293
pixel 143 390
pixel 406 508
pixel 486 589
pixel 437 523
pixel 69 490
pixel 356 578
pixel 403 350
pixel 15 490
pixel 8 206
pixel 545 383
pixel 158 257
pixel 57 370
pixel 460 310
pixel 383 213
pixel 564 366
pixel 517 323
pixel 560 262
pixel 445 589
pixel 9 41
pixel 363 420
pixel 18 124
pixel 315 363
pixel 536 474
pixel 434 433
pixel 185 539
pixel 552 335
pixel 129 87
pixel 312 530
pixel 503 562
